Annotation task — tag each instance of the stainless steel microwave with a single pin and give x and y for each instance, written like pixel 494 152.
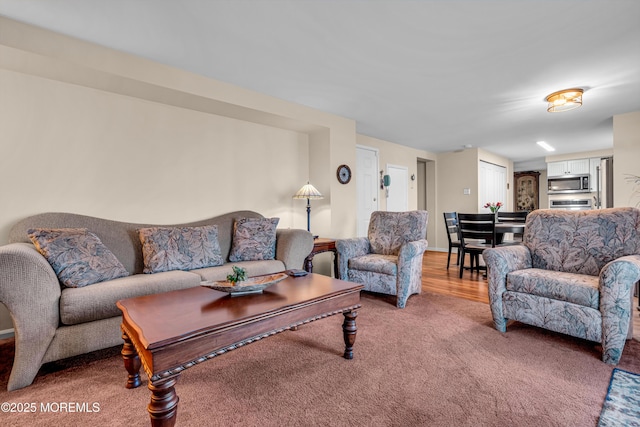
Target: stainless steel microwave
pixel 568 184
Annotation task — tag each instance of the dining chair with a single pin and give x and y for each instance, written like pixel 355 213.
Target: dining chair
pixel 477 233
pixel 519 217
pixel 451 223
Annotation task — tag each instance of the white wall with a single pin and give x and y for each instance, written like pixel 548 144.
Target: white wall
pixel 626 159
pixel 76 149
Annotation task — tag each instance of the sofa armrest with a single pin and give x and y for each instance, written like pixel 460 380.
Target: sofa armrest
pixel 31 292
pixel 293 246
pixel 615 285
pixel 350 248
pixel 500 262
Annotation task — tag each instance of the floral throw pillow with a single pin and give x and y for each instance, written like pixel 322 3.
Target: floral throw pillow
pixel 77 256
pixel 254 239
pixel 180 248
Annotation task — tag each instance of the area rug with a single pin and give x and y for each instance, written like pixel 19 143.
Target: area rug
pixel 622 405
pixel 438 362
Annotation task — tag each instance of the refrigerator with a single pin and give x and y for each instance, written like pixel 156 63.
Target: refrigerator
pixel 604 184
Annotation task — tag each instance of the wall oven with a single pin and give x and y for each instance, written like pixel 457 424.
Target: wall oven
pixel 568 184
pixel 571 204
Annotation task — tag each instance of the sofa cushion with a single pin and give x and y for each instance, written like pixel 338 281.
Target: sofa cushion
pixel 580 289
pixel 78 305
pixel 180 248
pixel 254 239
pixel 77 256
pixel 254 268
pixel 388 231
pixel 383 264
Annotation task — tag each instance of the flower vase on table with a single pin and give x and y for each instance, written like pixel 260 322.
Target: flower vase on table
pixel 494 207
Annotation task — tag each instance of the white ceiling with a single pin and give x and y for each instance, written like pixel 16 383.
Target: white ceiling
pixel 435 75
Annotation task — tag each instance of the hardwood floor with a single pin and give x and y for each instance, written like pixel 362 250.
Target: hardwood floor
pixel 436 278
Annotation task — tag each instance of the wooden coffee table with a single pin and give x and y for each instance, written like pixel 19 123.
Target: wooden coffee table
pixel 173 331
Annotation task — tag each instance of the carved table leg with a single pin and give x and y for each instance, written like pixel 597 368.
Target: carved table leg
pixel 163 407
pixel 349 330
pixel 131 362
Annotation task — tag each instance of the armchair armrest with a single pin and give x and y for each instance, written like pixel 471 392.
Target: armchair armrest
pixel 500 262
pixel 410 250
pixel 350 248
pixel 31 291
pixel 616 282
pixel 293 246
pixel 409 277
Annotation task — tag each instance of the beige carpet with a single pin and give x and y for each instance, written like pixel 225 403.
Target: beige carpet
pixel 439 362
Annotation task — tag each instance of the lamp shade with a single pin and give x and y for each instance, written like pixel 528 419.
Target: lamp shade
pixel 308 191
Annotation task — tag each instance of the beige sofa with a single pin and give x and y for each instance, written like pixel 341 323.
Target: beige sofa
pixel 53 322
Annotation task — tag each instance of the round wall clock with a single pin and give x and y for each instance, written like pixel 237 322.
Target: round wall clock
pixel 344 174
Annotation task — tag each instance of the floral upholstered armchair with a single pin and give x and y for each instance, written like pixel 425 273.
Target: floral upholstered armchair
pixel 574 275
pixel 389 261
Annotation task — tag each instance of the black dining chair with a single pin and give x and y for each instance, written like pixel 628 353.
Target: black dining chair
pixel 519 217
pixel 477 233
pixel 451 222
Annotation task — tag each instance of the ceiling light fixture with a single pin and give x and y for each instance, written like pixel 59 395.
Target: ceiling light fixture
pixel 545 146
pixel 564 100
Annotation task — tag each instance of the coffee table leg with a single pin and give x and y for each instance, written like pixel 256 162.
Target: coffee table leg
pixel 163 407
pixel 131 362
pixel 349 330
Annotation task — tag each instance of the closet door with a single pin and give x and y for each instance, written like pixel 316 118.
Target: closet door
pixel 492 185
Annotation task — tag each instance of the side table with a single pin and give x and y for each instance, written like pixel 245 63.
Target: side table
pixel 322 245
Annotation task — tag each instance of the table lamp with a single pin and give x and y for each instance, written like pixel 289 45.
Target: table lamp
pixel 308 192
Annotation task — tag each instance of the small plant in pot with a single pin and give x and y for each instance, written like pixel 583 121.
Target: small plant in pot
pixel 239 275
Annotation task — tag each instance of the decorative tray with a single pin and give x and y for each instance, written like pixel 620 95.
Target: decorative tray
pixel 253 285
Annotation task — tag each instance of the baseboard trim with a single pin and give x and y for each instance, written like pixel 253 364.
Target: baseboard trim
pixel 440 249
pixel 7 333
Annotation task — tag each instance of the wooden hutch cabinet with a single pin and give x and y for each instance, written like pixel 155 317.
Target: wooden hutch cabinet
pixel 526 191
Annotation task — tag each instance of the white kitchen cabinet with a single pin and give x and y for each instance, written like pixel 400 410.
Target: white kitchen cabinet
pixel 568 167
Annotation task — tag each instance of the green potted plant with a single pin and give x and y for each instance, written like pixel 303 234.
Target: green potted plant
pixel 239 275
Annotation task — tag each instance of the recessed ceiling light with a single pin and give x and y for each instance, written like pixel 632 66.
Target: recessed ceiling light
pixel 545 146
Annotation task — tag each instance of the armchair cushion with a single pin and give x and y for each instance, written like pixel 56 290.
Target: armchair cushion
pixel 384 264
pixel 388 231
pixel 581 242
pixel 579 289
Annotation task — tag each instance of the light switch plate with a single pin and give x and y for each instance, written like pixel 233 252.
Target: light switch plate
pixel 466 191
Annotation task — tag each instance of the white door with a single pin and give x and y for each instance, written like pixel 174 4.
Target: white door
pixel 366 187
pixel 398 199
pixel 492 181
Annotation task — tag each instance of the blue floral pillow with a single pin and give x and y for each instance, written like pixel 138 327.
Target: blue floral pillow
pixel 77 256
pixel 180 248
pixel 254 239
